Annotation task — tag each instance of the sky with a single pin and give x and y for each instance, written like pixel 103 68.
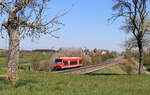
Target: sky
pixel 85 25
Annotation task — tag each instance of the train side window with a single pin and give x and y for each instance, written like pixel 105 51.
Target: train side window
pixel 73 62
pixel 65 62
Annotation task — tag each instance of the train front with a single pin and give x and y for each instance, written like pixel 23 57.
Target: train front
pixel 58 64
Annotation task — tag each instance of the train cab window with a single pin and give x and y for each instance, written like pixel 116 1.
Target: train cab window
pixel 73 62
pixel 58 61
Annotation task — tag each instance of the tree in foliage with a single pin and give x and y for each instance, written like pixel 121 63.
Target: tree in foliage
pixel 24 18
pixel 135 13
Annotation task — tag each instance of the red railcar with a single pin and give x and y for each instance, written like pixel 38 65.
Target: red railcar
pixel 68 62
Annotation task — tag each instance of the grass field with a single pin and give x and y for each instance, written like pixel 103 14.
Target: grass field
pixel 42 83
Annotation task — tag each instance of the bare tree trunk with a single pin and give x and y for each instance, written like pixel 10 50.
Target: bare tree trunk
pixel 141 57
pixel 13 58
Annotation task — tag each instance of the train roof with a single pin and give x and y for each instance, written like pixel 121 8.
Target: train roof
pixel 69 58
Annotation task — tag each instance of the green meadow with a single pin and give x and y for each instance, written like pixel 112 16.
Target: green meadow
pixel 44 83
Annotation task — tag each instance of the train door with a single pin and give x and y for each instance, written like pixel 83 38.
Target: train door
pixel 78 62
pixel 66 63
pixel 69 63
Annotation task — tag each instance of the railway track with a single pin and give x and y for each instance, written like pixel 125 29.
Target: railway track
pixel 92 68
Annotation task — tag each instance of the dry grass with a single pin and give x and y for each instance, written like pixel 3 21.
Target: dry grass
pixel 129 66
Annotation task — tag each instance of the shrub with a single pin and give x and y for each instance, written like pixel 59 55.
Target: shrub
pixel 39 62
pixel 43 66
pixel 101 58
pixel 96 59
pixel 147 59
pixel 130 66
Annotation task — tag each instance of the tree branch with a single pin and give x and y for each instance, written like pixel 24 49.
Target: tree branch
pixel 5 6
pixel 30 25
pixel 20 5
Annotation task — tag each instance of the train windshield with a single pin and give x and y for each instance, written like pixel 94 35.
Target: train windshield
pixel 58 61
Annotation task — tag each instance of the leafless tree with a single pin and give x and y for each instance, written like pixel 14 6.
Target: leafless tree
pixel 131 44
pixel 25 18
pixel 135 13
